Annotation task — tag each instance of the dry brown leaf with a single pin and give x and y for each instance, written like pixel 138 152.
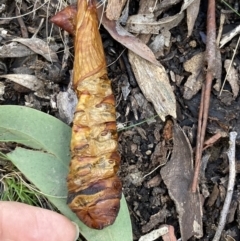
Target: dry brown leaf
pixel 14 50
pixel 40 47
pixel 145 23
pixel 29 81
pixel 194 82
pixel 154 83
pixel 127 39
pixel 232 77
pixel 192 13
pixel 142 23
pixel 214 195
pixel 114 9
pixel 167 130
pixel 177 175
pixel 192 7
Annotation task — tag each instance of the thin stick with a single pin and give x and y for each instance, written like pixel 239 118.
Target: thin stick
pixel 198 146
pixel 231 181
pixel 206 90
pixel 22 25
pixel 212 140
pixel 25 13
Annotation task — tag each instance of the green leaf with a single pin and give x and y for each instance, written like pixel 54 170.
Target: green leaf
pixel 46 165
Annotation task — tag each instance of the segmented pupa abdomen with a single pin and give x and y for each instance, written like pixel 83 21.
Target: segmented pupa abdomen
pixel 94 189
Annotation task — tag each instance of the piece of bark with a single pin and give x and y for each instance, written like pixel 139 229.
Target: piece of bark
pixel 154 182
pixel 114 9
pixel 177 175
pixel 155 219
pixel 154 83
pixel 159 155
pixel 153 235
pixel 214 195
pixel 194 81
pixel 232 211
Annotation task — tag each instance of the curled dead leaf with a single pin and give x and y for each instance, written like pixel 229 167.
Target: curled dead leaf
pixel 127 39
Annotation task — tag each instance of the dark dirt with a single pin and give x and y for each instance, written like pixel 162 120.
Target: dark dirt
pixel 143 147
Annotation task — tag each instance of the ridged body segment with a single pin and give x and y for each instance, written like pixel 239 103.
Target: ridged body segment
pixel 93 186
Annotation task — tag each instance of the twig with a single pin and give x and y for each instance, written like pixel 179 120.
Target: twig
pixel 231 181
pixel 10 18
pixel 212 140
pixel 206 90
pixel 38 29
pixel 21 23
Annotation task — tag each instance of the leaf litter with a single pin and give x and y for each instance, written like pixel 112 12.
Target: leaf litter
pixel 232 77
pixel 39 47
pixel 142 152
pixel 177 175
pixel 157 90
pixel 195 80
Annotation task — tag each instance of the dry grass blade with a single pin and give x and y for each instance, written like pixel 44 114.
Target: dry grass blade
pixel 22 15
